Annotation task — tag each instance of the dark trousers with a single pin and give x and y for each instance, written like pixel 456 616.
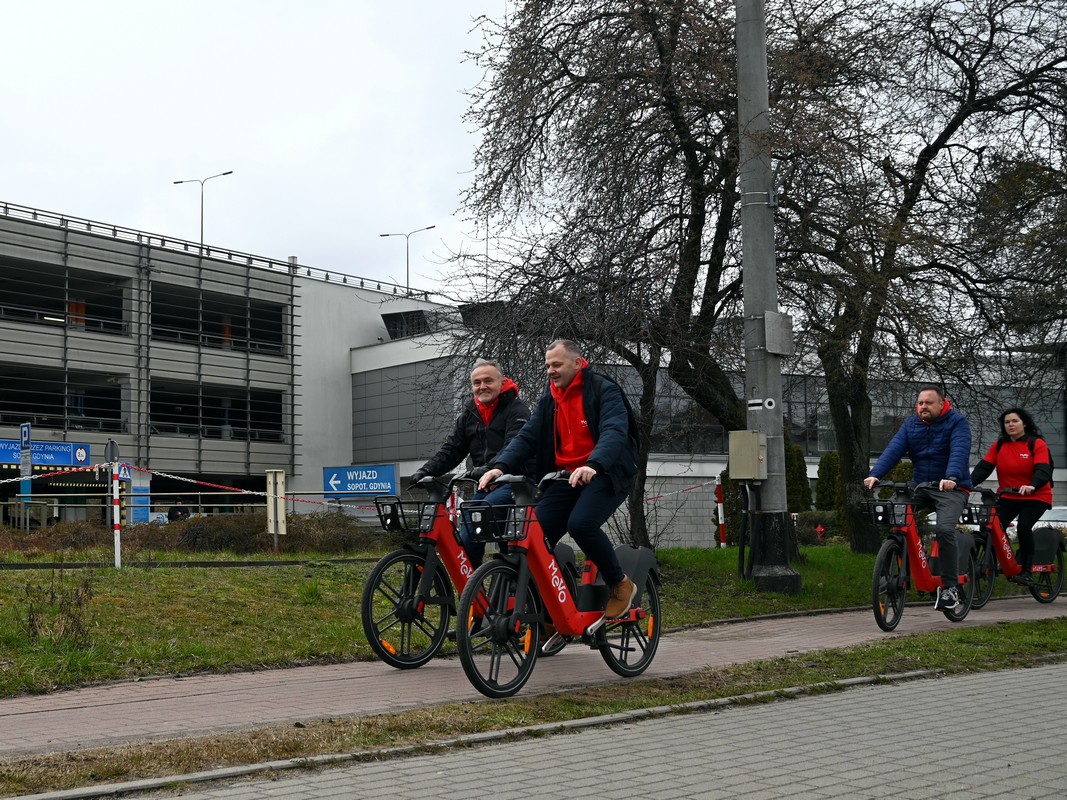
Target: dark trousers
pixel 580 511
pixel 948 507
pixel 1028 512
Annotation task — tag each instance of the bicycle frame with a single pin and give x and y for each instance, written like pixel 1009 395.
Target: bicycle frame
pixel 439 540
pixel 540 565
pixel 916 567
pixel 997 539
pixel 917 560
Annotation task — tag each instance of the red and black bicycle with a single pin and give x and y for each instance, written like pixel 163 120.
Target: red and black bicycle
pixel 408 599
pixel 510 598
pixel 903 561
pixel 994 554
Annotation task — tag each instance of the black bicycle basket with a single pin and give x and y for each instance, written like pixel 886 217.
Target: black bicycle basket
pixel 405 517
pixel 489 523
pixel 886 512
pixel 975 515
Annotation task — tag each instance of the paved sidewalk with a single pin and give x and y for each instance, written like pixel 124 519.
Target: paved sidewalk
pixel 868 743
pixel 177 707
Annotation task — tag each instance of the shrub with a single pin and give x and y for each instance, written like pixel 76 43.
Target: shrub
pixel 797 487
pixel 828 482
pixel 327 532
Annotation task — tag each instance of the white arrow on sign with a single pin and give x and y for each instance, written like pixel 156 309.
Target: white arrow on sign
pixel 334 482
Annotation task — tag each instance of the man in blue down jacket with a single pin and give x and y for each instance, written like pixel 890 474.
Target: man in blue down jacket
pixel 938 440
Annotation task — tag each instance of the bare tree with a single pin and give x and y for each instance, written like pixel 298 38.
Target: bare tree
pixel 608 169
pixel 879 222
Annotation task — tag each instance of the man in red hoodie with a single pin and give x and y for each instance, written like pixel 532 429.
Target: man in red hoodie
pixel 488 422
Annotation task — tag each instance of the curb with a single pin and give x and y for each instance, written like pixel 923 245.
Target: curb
pixel 472 739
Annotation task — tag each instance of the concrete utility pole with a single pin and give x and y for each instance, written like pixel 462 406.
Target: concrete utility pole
pixel 768 333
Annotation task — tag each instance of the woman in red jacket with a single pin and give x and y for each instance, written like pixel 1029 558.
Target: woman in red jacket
pixel 1021 458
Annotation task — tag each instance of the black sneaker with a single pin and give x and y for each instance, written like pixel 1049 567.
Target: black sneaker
pixel 947 599
pixel 1023 579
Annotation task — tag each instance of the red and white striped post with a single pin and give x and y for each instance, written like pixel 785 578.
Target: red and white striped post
pixel 115 520
pixel 721 512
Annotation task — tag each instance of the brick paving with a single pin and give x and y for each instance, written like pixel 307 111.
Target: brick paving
pixel 868 743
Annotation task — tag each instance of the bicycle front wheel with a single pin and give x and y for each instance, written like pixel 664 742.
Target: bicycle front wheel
pixel 1046 586
pixel 404 630
pixel 966 595
pixel 629 647
pixel 985 574
pixel 889 588
pixel 497 642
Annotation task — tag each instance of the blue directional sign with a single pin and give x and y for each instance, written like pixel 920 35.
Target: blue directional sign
pixel 359 479
pixel 56 454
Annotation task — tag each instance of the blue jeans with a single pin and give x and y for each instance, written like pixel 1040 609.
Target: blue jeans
pixel 580 511
pixel 500 496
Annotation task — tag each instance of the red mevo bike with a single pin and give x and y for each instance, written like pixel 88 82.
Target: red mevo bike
pixel 510 598
pixel 903 561
pixel 408 599
pixel 993 554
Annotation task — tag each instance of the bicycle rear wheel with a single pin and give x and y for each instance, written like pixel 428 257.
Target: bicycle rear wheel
pixel 1046 586
pixel 889 588
pixel 985 574
pixel 497 643
pixel 402 630
pixel 629 647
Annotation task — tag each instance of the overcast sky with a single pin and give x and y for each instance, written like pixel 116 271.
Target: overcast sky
pixel 341 120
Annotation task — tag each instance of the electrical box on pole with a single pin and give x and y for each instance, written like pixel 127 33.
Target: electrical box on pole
pixel 748 456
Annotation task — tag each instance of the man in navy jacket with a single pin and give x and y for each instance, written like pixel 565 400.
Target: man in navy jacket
pixel 581 424
pixel 938 441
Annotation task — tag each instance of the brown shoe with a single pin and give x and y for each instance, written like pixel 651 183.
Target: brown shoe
pixel 549 630
pixel 620 597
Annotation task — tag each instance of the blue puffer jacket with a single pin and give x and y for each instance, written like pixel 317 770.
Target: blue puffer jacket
pixel 940 449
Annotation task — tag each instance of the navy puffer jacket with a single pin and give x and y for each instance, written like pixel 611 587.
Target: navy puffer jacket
pixel 938 450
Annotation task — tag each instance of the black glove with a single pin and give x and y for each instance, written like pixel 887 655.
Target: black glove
pixel 417 476
pixel 476 473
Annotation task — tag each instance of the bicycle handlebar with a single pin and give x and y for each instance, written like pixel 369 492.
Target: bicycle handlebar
pixel 994 494
pixel 437 490
pixel 904 487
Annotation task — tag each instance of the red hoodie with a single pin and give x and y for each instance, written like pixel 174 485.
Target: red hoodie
pixel 574 440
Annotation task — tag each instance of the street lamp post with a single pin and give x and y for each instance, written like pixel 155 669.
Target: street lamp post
pixel 202 181
pixel 407 252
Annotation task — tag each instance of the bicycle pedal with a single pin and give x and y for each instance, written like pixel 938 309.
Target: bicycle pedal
pixel 553 640
pixel 595 626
